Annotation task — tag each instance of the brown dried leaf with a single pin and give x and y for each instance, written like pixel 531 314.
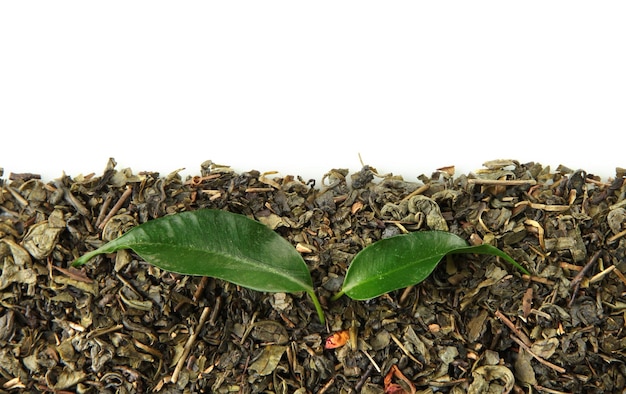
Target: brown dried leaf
pixel 337 339
pixel 394 388
pixel 74 273
pixel 527 302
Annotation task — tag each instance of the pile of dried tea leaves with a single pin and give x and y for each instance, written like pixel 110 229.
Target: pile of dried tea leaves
pixel 120 325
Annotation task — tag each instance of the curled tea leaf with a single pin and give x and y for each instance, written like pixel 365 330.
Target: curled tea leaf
pixel 492 379
pixel 15 262
pixel 43 236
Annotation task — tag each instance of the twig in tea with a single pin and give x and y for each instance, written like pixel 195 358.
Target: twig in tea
pixel 541 360
pixel 18 197
pixel 405 350
pixel 501 182
pixel 576 281
pixel 117 206
pixel 363 379
pixel 598 277
pixel 71 199
pixel 620 275
pixel 103 208
pixel 189 344
pixel 327 386
pixel 200 289
pixel 523 337
pixel 534 226
pixel 615 237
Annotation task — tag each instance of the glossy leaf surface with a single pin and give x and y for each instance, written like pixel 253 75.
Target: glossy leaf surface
pixel 219 244
pixel 405 260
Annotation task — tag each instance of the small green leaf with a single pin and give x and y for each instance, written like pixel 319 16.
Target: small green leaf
pixel 405 260
pixel 219 244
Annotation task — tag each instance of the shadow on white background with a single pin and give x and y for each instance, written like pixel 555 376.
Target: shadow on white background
pixel 303 88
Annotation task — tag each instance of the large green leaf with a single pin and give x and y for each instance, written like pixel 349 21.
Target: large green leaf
pixel 219 244
pixel 405 260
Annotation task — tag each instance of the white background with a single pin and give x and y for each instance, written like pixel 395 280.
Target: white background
pixel 303 87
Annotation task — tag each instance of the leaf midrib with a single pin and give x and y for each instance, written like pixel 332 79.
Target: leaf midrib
pixel 374 278
pixel 246 261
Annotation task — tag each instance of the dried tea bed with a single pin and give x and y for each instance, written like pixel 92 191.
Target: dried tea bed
pixel 477 324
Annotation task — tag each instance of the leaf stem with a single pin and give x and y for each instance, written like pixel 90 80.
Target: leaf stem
pixel 86 257
pixel 337 296
pixel 318 306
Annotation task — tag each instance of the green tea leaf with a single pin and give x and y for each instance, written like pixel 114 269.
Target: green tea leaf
pixel 405 260
pixel 219 244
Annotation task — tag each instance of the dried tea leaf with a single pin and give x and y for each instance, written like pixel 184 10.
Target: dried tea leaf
pixel 616 219
pixel 418 344
pixel 492 379
pixel 269 359
pixel 31 363
pixel 447 354
pixel 43 236
pixel 545 348
pixel 142 305
pixel 15 266
pixel 476 327
pixel 64 379
pixel 381 340
pixel 272 221
pixel 66 351
pixel 524 371
pixel 494 274
pixel 19 255
pixel 425 205
pixel 585 311
pixel 7 326
pixel 91 288
pixel 117 225
pixel 281 302
pixel 270 332
pixel 74 274
pixel 370 388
